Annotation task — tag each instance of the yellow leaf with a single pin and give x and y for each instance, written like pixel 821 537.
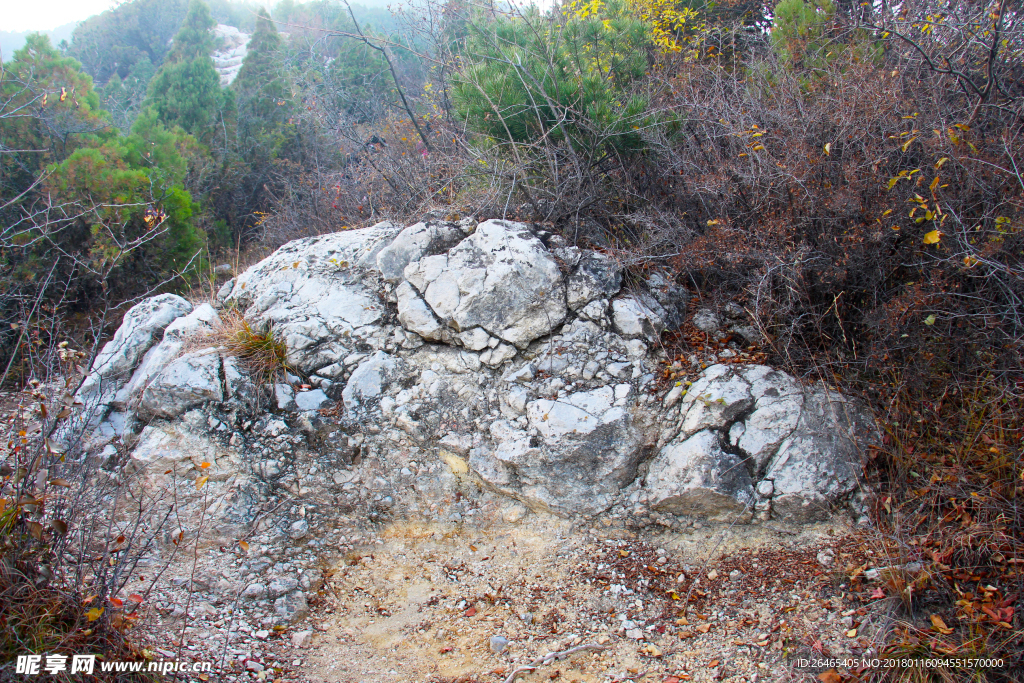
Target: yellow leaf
pixel 757 148
pixel 852 633
pixel 932 237
pixel 94 614
pixel 907 143
pixel 940 162
pixel 935 183
pixel 939 625
pixel 828 148
pixel 243 545
pixel 201 481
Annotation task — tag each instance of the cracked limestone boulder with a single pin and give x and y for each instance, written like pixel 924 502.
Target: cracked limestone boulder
pixel 141 328
pixel 319 295
pixel 203 320
pixel 820 463
pixel 750 438
pixel 370 381
pixel 187 382
pixel 501 278
pixel 573 457
pixel 597 276
pixel 417 241
pixel 697 477
pixel 634 318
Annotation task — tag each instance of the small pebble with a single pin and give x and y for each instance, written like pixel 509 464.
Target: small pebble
pixel 498 644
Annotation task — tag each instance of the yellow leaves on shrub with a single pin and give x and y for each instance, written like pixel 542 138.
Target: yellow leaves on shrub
pixel 672 28
pixel 932 237
pixel 94 614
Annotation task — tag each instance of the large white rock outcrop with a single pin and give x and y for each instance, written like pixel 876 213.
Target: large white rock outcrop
pixel 492 352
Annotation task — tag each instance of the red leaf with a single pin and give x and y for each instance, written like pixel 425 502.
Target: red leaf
pixel 470 612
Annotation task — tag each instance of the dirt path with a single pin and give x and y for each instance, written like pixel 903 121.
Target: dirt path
pixel 425 601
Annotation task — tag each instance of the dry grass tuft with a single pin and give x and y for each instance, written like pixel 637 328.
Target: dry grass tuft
pixel 262 353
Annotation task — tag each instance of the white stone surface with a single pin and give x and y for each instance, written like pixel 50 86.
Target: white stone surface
pixel 188 381
pixel 500 278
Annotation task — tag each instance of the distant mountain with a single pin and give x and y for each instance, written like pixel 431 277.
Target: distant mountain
pixel 13 40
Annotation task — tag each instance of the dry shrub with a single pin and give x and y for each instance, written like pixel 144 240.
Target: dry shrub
pixel 951 485
pixel 71 537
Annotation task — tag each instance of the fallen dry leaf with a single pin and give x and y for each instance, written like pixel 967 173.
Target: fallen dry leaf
pixel 830 676
pixel 939 625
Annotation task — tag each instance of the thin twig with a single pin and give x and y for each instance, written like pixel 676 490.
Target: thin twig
pixel 551 657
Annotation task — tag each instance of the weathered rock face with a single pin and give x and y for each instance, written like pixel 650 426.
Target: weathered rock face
pixel 501 279
pixel 319 295
pixel 142 327
pixel 203 320
pixel 752 438
pixel 188 381
pixel 491 352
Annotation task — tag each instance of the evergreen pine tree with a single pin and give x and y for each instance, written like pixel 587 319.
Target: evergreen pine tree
pixel 186 90
pixel 260 89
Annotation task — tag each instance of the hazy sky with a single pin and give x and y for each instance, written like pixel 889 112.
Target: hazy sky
pixel 41 15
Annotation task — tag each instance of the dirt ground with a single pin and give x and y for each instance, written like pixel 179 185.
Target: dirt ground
pixel 426 600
